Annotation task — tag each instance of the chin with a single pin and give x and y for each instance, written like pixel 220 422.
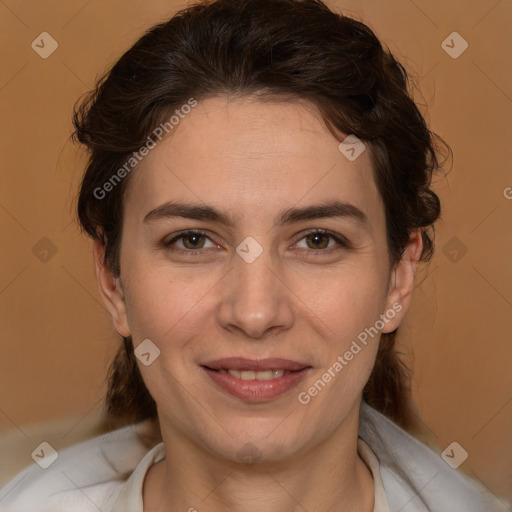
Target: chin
pixel 250 444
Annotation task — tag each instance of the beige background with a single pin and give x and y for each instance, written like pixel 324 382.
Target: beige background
pixel 56 338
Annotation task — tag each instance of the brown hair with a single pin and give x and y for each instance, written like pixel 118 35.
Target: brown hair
pixel 289 49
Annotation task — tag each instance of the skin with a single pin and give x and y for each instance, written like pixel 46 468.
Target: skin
pixel 251 160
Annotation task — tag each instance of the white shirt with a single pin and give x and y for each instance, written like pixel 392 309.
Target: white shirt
pixel 107 473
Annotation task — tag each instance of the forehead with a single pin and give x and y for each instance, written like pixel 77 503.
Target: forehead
pixel 252 157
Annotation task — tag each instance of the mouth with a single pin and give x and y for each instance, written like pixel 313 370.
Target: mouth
pixel 256 380
pixel 252 375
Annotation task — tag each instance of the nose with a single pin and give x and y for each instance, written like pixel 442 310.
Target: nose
pixel 256 299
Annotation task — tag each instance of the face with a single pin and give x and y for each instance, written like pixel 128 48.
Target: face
pixel 278 250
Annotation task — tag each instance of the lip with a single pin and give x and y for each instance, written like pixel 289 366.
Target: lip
pixel 256 390
pixel 242 363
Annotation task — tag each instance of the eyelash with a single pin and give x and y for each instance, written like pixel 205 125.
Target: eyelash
pixel 341 240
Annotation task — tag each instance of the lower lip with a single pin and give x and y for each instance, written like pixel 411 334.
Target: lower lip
pixel 256 390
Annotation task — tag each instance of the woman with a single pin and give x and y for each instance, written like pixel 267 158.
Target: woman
pixel 258 193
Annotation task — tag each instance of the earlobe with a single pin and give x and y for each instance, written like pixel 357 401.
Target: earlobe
pixel 402 281
pixel 110 290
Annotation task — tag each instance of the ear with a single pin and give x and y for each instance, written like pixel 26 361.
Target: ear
pixel 110 290
pixel 402 282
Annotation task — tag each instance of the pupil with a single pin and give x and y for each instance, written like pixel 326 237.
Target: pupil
pixel 317 237
pixel 194 237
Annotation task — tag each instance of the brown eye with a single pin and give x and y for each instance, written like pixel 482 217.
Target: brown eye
pixel 190 241
pixel 193 240
pixel 318 240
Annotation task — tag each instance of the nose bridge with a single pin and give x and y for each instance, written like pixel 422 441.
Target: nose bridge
pixel 255 300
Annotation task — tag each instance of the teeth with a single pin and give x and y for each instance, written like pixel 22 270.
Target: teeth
pixel 261 375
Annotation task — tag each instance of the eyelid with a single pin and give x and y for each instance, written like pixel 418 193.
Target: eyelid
pixel 184 233
pixel 340 239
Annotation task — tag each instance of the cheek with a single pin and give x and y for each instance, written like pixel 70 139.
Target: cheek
pixel 161 304
pixel 348 309
pixel 346 301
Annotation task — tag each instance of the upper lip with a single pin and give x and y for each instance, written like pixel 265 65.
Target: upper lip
pixel 242 363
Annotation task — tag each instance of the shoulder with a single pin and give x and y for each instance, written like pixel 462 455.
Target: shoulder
pixel 83 477
pixel 415 477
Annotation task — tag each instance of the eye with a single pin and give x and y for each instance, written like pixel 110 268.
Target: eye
pixel 195 241
pixel 319 239
pixel 189 241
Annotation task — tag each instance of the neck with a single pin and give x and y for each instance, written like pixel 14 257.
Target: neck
pixel 329 476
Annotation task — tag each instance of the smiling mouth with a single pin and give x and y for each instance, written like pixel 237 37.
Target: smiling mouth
pixel 256 386
pixel 255 375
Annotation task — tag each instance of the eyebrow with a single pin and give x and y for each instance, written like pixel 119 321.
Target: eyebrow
pixel 289 216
